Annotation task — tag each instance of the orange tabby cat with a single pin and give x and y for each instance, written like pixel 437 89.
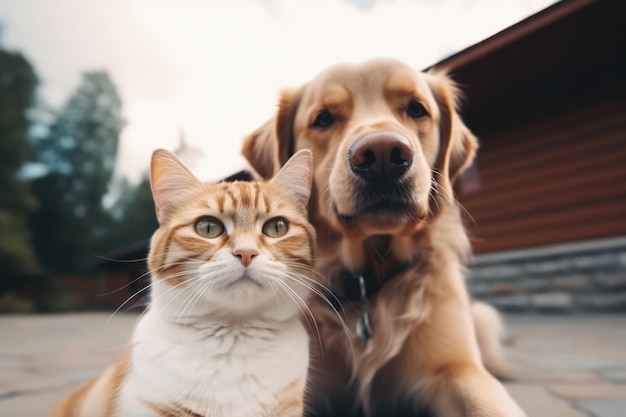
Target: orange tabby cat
pixel 231 268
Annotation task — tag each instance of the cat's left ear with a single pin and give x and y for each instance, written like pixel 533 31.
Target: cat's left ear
pixel 169 180
pixel 296 176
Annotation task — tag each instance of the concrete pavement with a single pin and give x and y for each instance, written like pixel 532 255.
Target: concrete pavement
pixel 570 366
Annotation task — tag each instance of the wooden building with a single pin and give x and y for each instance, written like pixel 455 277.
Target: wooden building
pixel 547 195
pixel 547 99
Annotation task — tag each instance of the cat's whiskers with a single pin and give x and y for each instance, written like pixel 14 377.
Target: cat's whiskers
pixel 302 280
pixel 205 290
pixel 126 302
pixel 190 281
pixel 310 317
pixel 191 293
pixel 318 289
pixel 302 306
pixel 125 286
pixel 160 295
pixel 317 284
pixel 274 292
pixel 207 272
pixel 278 285
pixel 139 277
pixel 191 297
pixel 161 268
pixel 312 270
pixel 298 279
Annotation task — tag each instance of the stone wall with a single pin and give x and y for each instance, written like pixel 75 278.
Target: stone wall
pixel 581 276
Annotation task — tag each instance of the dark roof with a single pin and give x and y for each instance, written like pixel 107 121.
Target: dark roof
pixel 569 53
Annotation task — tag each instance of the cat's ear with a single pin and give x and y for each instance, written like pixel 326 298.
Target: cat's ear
pixel 296 176
pixel 169 181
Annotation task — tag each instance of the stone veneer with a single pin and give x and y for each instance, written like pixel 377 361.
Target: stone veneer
pixel 581 276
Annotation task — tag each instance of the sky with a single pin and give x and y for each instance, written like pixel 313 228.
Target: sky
pixel 213 69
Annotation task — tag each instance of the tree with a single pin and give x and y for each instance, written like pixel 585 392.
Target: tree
pixel 79 153
pixel 135 218
pixel 18 84
pixel 134 212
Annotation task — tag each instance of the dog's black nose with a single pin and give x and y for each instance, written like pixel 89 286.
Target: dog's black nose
pixel 380 156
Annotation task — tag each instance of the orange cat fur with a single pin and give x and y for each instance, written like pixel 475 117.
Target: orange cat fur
pixel 231 269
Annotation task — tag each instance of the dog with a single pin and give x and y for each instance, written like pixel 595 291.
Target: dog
pixel 394 332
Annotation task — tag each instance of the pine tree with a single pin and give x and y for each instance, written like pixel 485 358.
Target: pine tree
pixel 18 83
pixel 79 153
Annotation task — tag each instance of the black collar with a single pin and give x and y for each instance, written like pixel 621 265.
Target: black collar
pixel 351 288
pixel 350 285
pixel 360 287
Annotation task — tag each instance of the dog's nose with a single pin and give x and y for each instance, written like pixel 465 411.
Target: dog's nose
pixel 380 156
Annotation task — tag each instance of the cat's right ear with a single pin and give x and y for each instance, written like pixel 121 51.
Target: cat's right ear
pixel 296 176
pixel 169 180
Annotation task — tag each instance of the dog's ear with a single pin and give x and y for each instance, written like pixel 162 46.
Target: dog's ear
pixel 457 147
pixel 270 146
pixel 259 149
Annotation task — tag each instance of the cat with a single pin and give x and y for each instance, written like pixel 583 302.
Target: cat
pixel 231 268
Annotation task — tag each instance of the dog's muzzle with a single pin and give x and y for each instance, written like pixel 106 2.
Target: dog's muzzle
pixel 380 162
pixel 380 157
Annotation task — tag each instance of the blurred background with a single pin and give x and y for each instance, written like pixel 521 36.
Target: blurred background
pixel 88 89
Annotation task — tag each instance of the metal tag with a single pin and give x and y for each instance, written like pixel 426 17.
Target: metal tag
pixel 364 330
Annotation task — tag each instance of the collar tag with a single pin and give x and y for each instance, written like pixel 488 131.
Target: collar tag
pixel 364 329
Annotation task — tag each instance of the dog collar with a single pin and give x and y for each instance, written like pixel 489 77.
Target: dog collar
pixel 360 287
pixel 364 284
pixel 364 329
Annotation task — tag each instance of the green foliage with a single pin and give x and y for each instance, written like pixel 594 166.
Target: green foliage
pixel 18 84
pixel 134 213
pixel 139 211
pixel 16 253
pixel 59 215
pixel 58 301
pixel 10 302
pixel 79 152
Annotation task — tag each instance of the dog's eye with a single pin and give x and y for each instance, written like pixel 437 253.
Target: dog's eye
pixel 416 110
pixel 324 119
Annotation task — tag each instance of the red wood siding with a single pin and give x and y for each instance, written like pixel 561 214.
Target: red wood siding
pixel 558 181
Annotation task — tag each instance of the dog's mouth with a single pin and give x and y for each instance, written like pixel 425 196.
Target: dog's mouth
pixel 380 210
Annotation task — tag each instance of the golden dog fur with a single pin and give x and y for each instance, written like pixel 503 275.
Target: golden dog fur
pixel 424 352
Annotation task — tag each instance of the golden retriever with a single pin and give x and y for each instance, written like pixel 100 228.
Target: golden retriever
pixel 388 144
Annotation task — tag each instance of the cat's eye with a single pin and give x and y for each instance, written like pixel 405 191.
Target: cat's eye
pixel 209 227
pixel 276 227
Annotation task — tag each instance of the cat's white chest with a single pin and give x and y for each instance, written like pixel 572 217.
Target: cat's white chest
pixel 212 369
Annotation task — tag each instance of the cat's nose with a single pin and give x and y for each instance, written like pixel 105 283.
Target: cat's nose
pixel 245 255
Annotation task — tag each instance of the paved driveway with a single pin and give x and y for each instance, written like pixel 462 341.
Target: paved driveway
pixel 572 366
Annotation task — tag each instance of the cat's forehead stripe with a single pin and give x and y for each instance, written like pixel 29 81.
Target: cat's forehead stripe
pixel 244 192
pixel 256 194
pixel 244 200
pixel 266 200
pixel 220 202
pixel 233 201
